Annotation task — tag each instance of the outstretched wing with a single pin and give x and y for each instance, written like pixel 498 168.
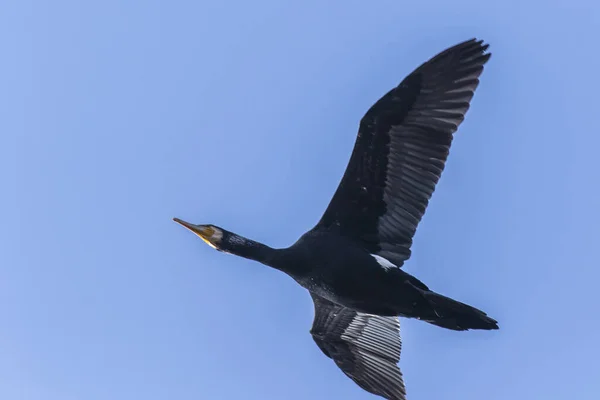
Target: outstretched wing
pixel 365 347
pixel 401 149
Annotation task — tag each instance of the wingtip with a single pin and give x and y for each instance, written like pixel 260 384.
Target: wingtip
pixel 475 43
pixel 481 44
pixel 476 49
pixel 473 50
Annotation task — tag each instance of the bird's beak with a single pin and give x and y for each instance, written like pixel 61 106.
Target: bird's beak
pixel 205 232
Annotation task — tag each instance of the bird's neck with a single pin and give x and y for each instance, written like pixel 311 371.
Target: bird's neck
pixel 247 248
pixel 243 247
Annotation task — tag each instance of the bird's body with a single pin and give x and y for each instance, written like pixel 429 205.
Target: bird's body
pixel 351 261
pixel 339 271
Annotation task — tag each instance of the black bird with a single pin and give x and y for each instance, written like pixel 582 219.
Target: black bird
pixel 351 261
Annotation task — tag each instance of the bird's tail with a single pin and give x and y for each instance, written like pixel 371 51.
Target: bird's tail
pixel 452 314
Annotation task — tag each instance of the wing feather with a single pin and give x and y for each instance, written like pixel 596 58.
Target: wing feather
pixel 400 152
pixel 365 347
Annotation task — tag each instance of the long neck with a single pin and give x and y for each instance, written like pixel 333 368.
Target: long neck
pixel 240 246
pixel 243 247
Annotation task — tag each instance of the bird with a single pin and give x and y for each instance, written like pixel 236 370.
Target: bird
pixel 351 260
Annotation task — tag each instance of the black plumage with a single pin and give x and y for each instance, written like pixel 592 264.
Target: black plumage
pixel 351 260
pixel 365 347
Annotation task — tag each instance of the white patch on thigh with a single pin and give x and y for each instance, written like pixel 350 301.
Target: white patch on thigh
pixel 385 264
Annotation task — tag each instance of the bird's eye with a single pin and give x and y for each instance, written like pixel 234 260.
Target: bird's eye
pixel 208 232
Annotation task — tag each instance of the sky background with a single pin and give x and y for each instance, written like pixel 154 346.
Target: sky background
pixel 117 116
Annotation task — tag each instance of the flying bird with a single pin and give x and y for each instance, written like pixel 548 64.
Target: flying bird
pixel 351 261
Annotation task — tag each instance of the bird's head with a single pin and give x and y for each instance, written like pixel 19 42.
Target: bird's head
pixel 210 234
pixel 229 242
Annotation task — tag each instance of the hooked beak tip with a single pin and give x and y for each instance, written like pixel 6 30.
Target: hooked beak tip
pixel 205 233
pixel 185 224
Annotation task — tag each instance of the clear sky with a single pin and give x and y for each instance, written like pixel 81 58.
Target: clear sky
pixel 117 116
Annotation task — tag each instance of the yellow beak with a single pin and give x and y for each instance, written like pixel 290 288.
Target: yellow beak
pixel 203 231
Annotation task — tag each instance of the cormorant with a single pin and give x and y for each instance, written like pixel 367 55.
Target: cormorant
pixel 351 261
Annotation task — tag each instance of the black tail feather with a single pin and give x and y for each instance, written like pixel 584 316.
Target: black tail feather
pixel 452 314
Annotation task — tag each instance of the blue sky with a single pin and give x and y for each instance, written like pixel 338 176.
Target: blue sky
pixel 117 116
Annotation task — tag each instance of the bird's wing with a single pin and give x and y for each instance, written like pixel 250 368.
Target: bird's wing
pixel 400 152
pixel 365 347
